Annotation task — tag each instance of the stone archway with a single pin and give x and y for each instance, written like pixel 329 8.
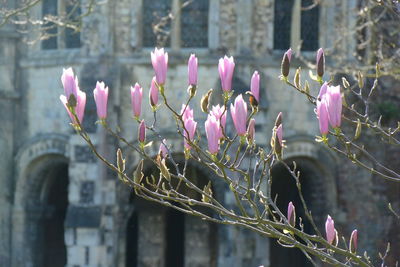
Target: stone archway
pixel 318 189
pixel 160 236
pixel 40 204
pixel 154 223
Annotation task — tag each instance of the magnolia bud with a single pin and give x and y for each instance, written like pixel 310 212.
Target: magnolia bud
pixel 353 241
pixel 291 214
pixel 138 174
pixel 320 62
pixel 278 120
pixel 142 132
pixel 120 163
pixel 207 190
pixel 285 66
pixel 204 102
pixel 297 80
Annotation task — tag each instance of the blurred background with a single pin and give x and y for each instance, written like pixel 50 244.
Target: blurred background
pixel 59 206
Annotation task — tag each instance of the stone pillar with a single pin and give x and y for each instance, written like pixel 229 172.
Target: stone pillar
pixel 197 243
pixel 151 250
pixel 8 98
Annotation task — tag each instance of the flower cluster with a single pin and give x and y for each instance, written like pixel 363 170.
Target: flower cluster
pixel 328 110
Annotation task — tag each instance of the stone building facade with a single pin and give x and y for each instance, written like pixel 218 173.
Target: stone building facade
pixel 59 206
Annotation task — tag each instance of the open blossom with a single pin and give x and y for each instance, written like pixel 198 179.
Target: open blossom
pixel 226 67
pixel 70 83
pixel 190 126
pixel 159 60
pixel 334 105
pixel 192 69
pixel 71 86
pixel 218 112
pixel 100 94
pixel 153 94
pixel 212 127
pixel 186 112
pixel 136 100
pixel 255 86
pixel 322 115
pixel 330 230
pixel 239 115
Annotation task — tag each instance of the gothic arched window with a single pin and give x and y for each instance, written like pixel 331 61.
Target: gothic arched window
pixel 175 23
pixel 296 21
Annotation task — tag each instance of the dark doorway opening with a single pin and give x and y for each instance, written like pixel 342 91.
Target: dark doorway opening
pixel 132 241
pixel 56 203
pixel 175 234
pixel 284 187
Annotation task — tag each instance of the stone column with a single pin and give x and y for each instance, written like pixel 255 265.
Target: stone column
pixel 8 98
pixel 197 245
pixel 151 248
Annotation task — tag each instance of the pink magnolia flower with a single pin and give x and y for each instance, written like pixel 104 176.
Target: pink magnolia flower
pixel 251 129
pixel 192 69
pixel 186 112
pixel 219 114
pixel 330 230
pixel 239 115
pixel 353 241
pixel 100 94
pixel 334 105
pixel 80 106
pixel 279 134
pixel 136 99
pixel 70 83
pixel 163 151
pixel 159 60
pixel 291 214
pixel 255 86
pixel 153 94
pixel 190 126
pixel 142 132
pixel 226 67
pixel 213 134
pixel 322 90
pixel 322 115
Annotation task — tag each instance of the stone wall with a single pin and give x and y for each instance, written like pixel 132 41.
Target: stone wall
pixel 99 205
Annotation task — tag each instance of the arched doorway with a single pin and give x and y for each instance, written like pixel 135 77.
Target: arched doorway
pixel 313 190
pixel 166 237
pixel 55 203
pixel 41 202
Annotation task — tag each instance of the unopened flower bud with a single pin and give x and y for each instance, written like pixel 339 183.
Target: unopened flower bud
pixel 285 66
pixel 163 151
pixel 330 230
pixel 320 62
pixel 353 241
pixel 205 101
pixel 291 214
pixel 142 132
pixel 153 93
pixel 251 129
